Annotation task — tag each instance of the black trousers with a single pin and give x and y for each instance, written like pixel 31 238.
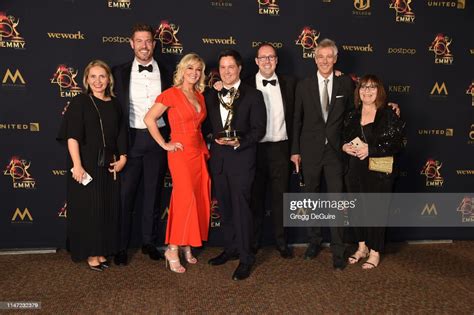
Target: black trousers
pixel 332 168
pixel 147 160
pixel 233 196
pixel 273 170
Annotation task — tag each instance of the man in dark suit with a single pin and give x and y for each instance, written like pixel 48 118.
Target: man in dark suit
pixel 232 162
pixel 137 84
pixel 321 103
pixel 273 151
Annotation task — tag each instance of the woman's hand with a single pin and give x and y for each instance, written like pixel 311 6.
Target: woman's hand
pixel 173 146
pixel 349 149
pixel 117 166
pixel 362 151
pixel 78 173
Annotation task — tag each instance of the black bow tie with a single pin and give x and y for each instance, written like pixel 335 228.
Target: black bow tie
pixel 224 91
pixel 148 68
pixel 272 82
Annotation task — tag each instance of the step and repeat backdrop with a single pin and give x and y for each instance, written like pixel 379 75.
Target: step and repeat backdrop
pixel 422 49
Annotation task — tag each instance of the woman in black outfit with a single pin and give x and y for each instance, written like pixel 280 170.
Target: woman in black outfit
pixel 95 132
pixel 380 130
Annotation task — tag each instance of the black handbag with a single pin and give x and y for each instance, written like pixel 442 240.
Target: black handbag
pixel 104 156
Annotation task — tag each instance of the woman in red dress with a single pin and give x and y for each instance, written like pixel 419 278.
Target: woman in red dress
pixel 189 211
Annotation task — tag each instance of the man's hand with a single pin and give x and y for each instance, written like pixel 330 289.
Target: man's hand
pixel 395 107
pixel 296 159
pixel 232 143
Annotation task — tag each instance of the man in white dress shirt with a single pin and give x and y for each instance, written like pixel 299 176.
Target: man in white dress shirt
pixel 137 84
pixel 273 151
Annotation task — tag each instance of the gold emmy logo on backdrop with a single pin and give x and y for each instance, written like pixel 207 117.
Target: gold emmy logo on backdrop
pixel 438 90
pixel 432 173
pixel 403 11
pixel 362 7
pixel 268 7
pixel 466 207
pixel 166 34
pixel 9 35
pixel 215 215
pixel 119 4
pixel 22 215
pixel 212 78
pixel 429 210
pixel 440 47
pixel 470 91
pixel 308 41
pixel 17 169
pixel 65 77
pixel 62 213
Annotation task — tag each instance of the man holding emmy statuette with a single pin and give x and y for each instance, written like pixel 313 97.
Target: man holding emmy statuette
pixel 237 120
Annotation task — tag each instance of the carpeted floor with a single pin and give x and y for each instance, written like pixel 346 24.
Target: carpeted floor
pixel 422 279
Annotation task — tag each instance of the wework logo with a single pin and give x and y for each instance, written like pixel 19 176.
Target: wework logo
pixel 76 36
pixel 220 41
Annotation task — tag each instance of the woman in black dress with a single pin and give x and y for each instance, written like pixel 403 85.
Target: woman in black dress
pixel 95 132
pixel 380 131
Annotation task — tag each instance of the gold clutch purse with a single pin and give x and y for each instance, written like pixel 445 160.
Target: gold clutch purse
pixel 381 164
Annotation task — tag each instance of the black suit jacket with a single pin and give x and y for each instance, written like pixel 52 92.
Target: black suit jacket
pixel 250 118
pixel 122 75
pixel 287 88
pixel 309 128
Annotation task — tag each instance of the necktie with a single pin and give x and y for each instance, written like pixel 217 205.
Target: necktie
pixel 148 68
pixel 272 82
pixel 325 96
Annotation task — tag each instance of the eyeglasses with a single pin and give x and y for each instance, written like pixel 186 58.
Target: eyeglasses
pixel 372 87
pixel 266 58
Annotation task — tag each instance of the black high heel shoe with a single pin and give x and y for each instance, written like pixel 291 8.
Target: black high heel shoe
pixel 105 264
pixel 96 267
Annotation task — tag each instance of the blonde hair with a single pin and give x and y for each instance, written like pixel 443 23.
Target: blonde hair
pixel 188 59
pixel 109 90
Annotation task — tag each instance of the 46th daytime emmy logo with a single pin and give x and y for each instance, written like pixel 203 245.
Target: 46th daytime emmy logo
pixel 268 7
pixel 308 41
pixel 119 4
pixel 62 213
pixel 466 207
pixel 403 11
pixel 213 77
pixel 9 35
pixel 64 77
pixel 166 34
pixel 215 215
pixel 470 91
pixel 17 169
pixel 432 173
pixel 440 47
